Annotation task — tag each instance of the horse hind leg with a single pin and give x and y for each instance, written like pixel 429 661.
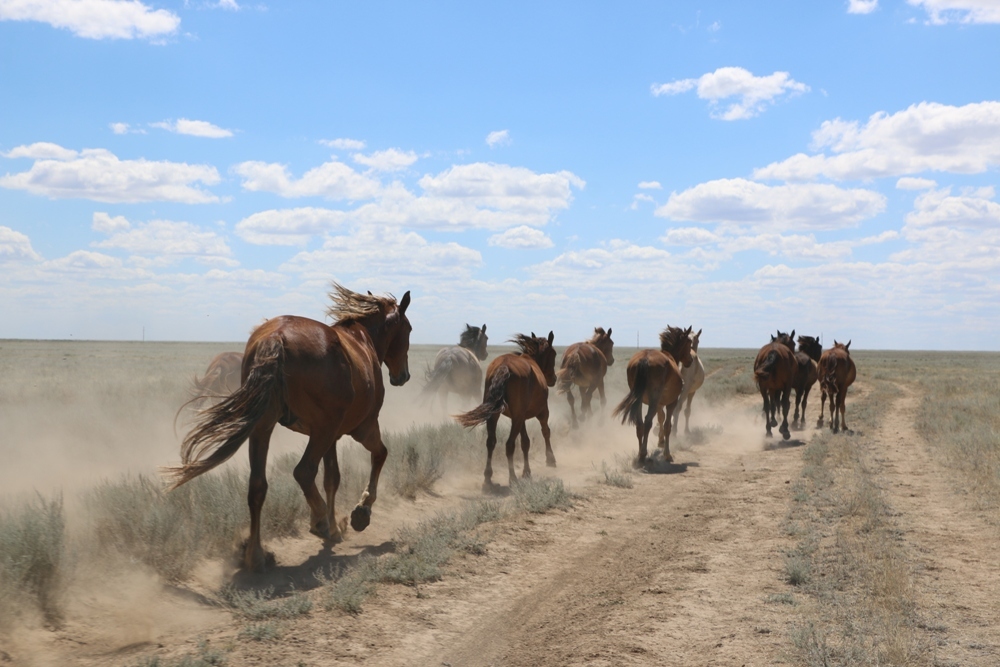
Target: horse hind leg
pixel 687 414
pixel 525 446
pixel 572 407
pixel 842 406
pixel 786 396
pixel 767 411
pixel 331 482
pixel 320 442
pixel 665 436
pixel 491 443
pixel 515 430
pixel 254 557
pixel 586 396
pixel 822 407
pixel 550 457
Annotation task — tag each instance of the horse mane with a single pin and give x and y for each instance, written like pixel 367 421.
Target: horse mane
pixel 349 306
pixel 670 338
pixel 598 332
pixel 469 337
pixel 530 345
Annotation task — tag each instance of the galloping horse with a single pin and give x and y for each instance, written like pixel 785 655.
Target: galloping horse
pixel 693 376
pixel 774 371
pixel 456 369
pixel 221 378
pixel 655 379
pixel 516 386
pixel 585 365
pixel 836 372
pixel 806 357
pixel 321 380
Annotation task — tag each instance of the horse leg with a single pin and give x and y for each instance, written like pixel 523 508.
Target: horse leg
pixel 687 413
pixel 254 557
pixel 822 407
pixel 642 430
pixel 491 443
pixel 586 395
pixel 331 482
pixel 660 416
pixel 369 435
pixel 786 396
pixel 834 417
pixel 515 429
pixel 604 400
pixel 305 475
pixel 667 456
pixel 572 406
pixel 798 399
pixel 550 457
pixel 676 416
pixel 767 411
pixel 805 401
pixel 525 446
pixel 842 406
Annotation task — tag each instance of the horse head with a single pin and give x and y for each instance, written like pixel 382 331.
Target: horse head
pixel 788 340
pixel 602 341
pixel 811 347
pixel 695 339
pixel 677 343
pixel 541 352
pixel 397 327
pixel 479 347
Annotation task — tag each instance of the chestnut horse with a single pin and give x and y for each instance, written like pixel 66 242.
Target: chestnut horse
pixel 221 378
pixel 806 357
pixel 836 372
pixel 585 365
pixel 655 379
pixel 516 386
pixel 774 372
pixel 693 376
pixel 321 380
pixel 456 369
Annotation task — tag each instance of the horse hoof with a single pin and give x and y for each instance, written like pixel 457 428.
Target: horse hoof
pixel 768 435
pixel 786 435
pixel 490 488
pixel 551 463
pixel 361 517
pixel 321 529
pixel 260 562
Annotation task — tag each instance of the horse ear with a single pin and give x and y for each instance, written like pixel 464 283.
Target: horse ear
pixel 552 337
pixel 370 293
pixel 405 303
pixel 792 335
pixel 484 328
pixel 773 338
pixel 533 335
pixel 848 346
pixel 609 331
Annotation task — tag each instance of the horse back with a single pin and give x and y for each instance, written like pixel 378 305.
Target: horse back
pixel 774 367
pixel 586 362
pixel 805 371
pixel 664 381
pixel 527 392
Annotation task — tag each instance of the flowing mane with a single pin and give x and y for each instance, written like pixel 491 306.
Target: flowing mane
pixel 349 306
pixel 469 337
pixel 529 345
pixel 671 338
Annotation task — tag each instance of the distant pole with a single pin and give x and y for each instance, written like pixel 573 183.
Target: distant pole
pixel 637 338
pixel 144 334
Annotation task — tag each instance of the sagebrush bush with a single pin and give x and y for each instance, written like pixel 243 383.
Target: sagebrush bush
pixel 32 545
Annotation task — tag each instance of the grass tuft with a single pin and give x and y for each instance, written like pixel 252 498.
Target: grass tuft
pixel 541 496
pixel 32 545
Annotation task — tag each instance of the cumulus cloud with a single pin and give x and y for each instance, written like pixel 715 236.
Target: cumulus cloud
pixel 95 19
pixel 755 93
pixel 15 246
pixel 861 6
pixel 102 222
pixel 333 180
pixel 343 144
pixel 641 197
pixel 940 12
pixel 162 242
pixel 391 159
pixel 294 226
pixel 924 137
pixel 521 238
pixel 193 128
pixel 650 185
pixel 911 183
pixel 498 138
pixel 96 173
pixel 762 207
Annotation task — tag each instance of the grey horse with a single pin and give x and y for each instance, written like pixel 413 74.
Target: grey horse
pixel 456 369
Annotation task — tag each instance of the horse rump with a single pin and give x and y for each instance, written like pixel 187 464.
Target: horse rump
pixel 566 377
pixel 763 372
pixel 494 400
pixel 630 408
pixel 433 377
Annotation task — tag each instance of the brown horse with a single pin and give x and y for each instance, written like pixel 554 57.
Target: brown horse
pixel 655 379
pixel 221 378
pixel 585 365
pixel 516 386
pixel 806 357
pixel 321 380
pixel 456 369
pixel 774 372
pixel 836 372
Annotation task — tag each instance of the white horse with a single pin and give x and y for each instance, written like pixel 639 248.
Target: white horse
pixel 693 376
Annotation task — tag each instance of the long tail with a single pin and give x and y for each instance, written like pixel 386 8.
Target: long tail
pixel 764 372
pixel 567 377
pixel 494 402
pixel 829 380
pixel 437 375
pixel 631 406
pixel 223 428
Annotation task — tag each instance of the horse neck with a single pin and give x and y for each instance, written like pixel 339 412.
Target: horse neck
pixel 374 326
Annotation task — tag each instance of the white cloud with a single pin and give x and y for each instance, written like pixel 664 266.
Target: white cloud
pixel 102 222
pixel 521 238
pixel 229 4
pixel 84 260
pixel 924 137
pixel 911 183
pixel 96 173
pixel 95 19
pixel 641 197
pixel 333 180
pixel 773 208
pixel 689 236
pixel 293 226
pixel 974 209
pixel 503 187
pixel 162 242
pixel 194 128
pixel 15 246
pixel 960 229
pixel 861 6
pixel 498 138
pixel 960 11
pixel 343 144
pixel 755 93
pixel 650 185
pixel 119 128
pixel 391 159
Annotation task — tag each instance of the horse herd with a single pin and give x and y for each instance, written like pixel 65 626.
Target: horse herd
pixel 325 381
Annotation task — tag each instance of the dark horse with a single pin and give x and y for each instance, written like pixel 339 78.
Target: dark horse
pixel 806 357
pixel 836 372
pixel 321 380
pixel 456 369
pixel 654 378
pixel 221 378
pixel 774 372
pixel 516 386
pixel 585 365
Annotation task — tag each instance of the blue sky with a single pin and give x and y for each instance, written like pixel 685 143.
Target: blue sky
pixel 192 168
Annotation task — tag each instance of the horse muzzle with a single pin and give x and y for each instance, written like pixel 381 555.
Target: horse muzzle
pixel 401 379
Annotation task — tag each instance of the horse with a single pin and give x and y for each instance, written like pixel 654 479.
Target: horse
pixel 221 378
pixel 585 365
pixel 836 372
pixel 456 369
pixel 655 379
pixel 516 386
pixel 693 376
pixel 774 372
pixel 324 381
pixel 806 357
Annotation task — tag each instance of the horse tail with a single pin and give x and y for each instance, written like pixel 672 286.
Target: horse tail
pixel 494 400
pixel 763 373
pixel 567 376
pixel 434 377
pixel 631 406
pixel 223 428
pixel 829 379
